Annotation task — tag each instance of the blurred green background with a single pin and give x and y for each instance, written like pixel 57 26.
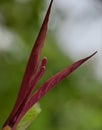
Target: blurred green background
pixel 76 103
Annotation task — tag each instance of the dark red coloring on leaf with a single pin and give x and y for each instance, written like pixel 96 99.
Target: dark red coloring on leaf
pixel 34 71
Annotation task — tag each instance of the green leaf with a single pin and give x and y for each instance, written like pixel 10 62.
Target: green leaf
pixel 29 117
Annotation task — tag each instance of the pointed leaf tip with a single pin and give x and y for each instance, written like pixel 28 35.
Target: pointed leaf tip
pixel 54 80
pixel 78 63
pixel 91 55
pixel 32 65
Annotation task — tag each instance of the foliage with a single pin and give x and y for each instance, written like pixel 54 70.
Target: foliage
pixel 75 104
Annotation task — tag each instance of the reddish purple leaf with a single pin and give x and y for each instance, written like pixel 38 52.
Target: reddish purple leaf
pixel 34 71
pixel 32 66
pixel 50 83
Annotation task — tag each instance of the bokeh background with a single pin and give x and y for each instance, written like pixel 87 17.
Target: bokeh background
pixel 74 104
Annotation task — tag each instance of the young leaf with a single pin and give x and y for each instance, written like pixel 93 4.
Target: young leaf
pixel 29 117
